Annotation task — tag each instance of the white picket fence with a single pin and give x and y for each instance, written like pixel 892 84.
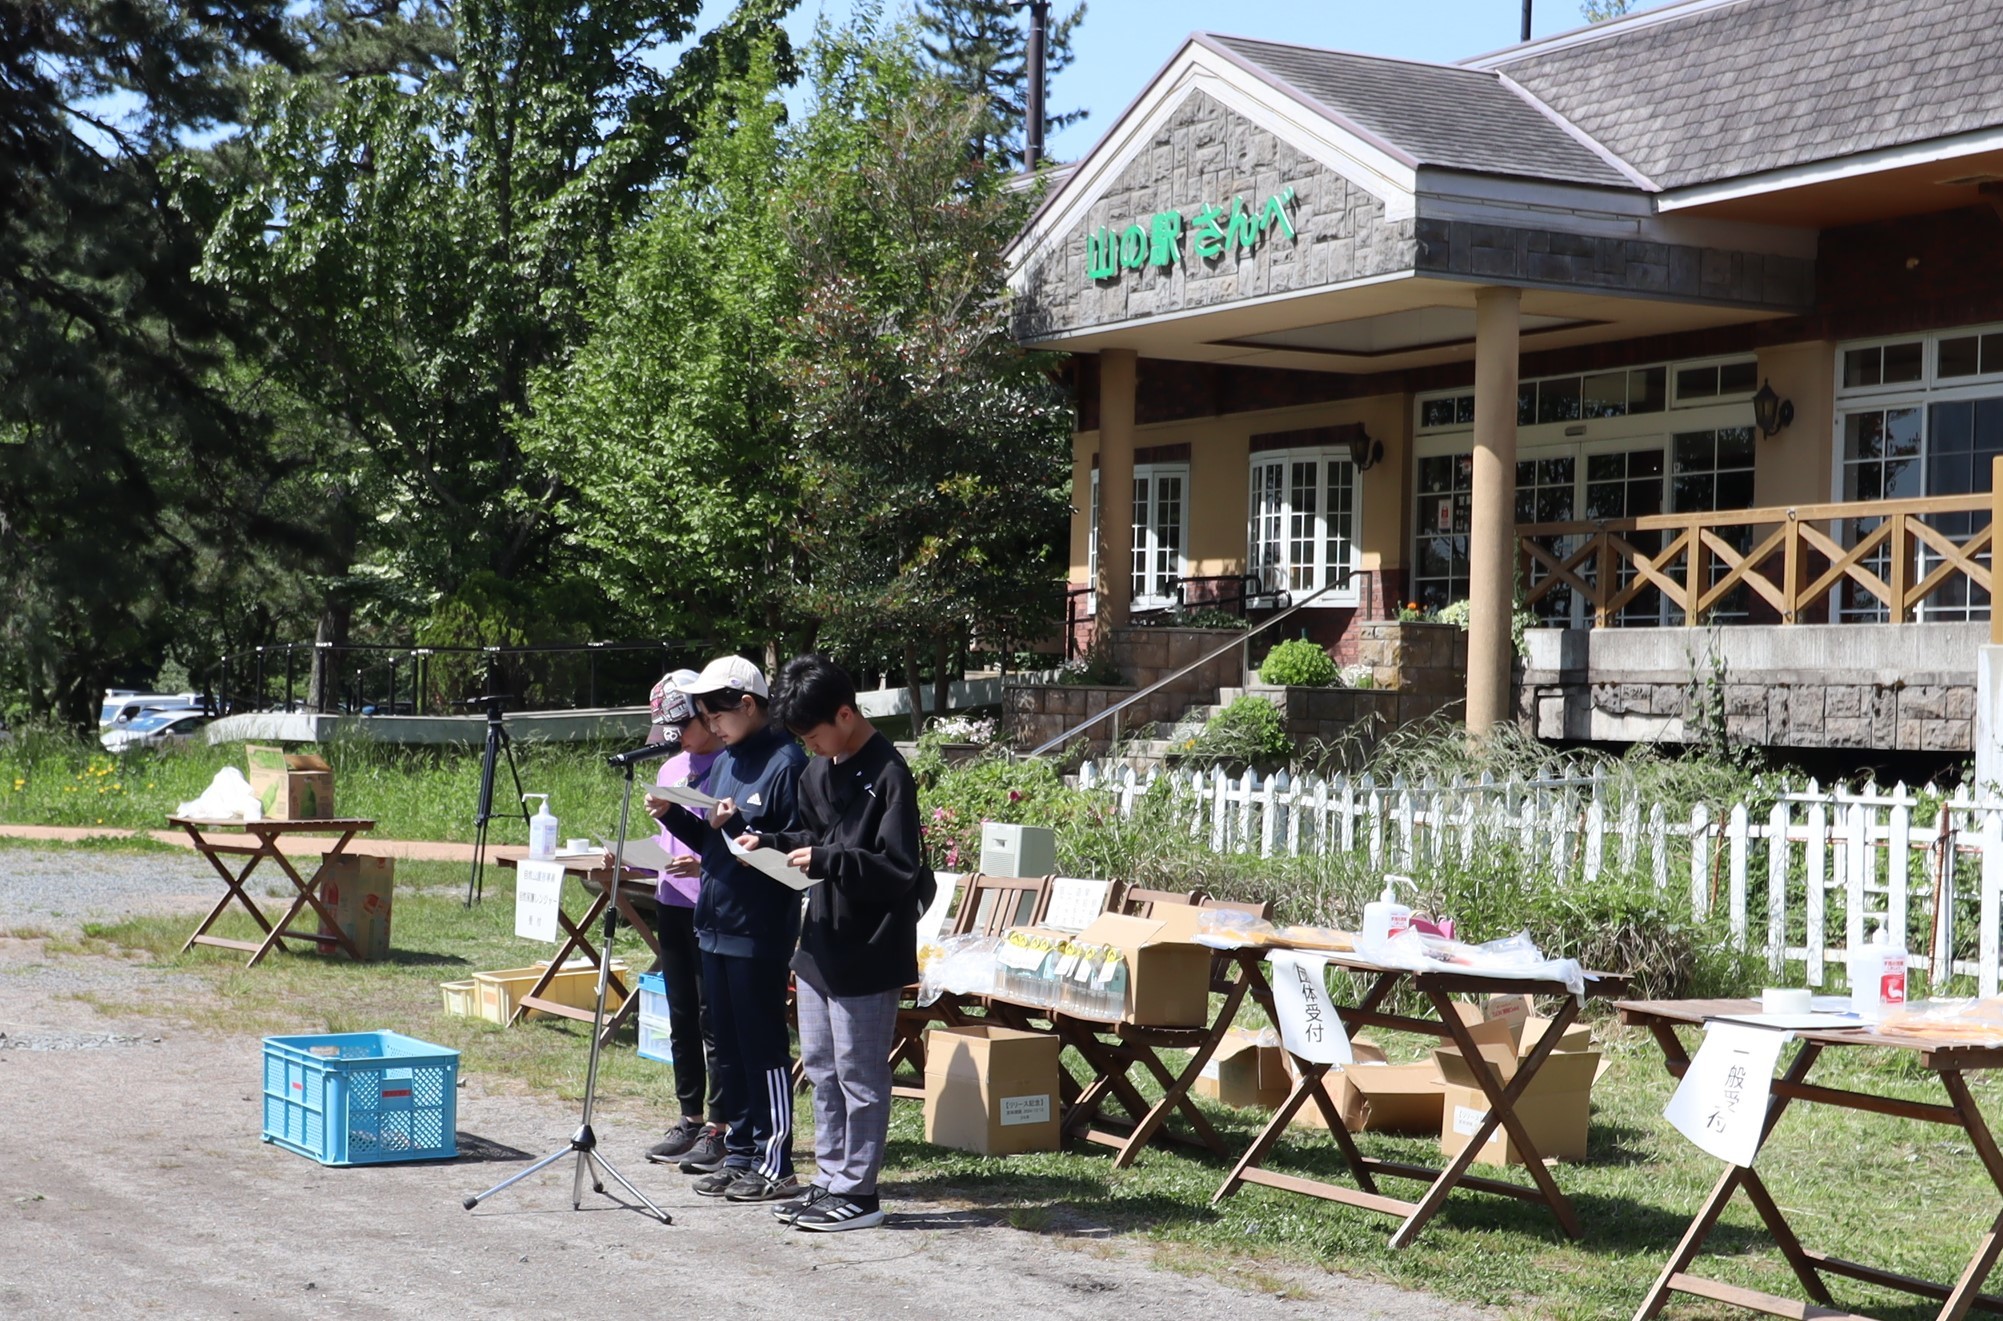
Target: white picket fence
pixel 1850 858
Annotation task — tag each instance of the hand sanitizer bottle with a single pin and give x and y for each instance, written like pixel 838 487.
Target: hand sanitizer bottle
pixel 542 829
pixel 1877 976
pixel 1386 917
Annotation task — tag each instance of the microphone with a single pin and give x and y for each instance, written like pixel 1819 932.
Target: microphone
pixel 652 752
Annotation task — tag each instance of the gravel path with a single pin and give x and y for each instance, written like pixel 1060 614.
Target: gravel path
pixel 61 888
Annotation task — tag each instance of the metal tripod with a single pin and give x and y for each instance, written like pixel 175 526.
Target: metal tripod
pixel 498 746
pixel 584 1142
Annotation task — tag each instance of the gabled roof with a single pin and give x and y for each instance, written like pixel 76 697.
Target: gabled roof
pixel 1707 90
pixel 1430 114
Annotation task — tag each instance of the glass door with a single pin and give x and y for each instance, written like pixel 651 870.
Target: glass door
pixel 1160 513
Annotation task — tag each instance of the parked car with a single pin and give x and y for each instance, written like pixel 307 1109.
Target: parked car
pixel 152 729
pixel 122 705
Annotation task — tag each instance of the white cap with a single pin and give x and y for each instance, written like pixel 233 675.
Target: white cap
pixel 726 674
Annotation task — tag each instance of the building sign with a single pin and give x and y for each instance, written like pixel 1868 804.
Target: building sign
pixel 1212 232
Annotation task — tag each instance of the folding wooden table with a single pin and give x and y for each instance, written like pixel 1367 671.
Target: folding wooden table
pixel 634 886
pixel 306 888
pixel 1438 988
pixel 1948 1058
pixel 1112 1050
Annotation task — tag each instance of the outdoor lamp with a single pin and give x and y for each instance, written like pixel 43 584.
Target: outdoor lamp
pixel 1770 410
pixel 1363 451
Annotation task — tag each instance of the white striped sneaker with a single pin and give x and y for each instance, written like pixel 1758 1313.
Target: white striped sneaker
pixel 836 1212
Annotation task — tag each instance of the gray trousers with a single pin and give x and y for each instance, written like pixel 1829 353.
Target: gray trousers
pixel 845 1047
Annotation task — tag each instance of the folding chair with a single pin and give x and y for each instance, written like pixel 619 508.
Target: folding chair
pixel 1138 901
pixel 989 905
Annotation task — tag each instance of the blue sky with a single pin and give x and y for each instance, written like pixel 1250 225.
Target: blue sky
pixel 1122 43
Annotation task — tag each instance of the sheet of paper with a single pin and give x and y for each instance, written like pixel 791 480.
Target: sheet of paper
pixel 538 898
pixel 1074 903
pixel 773 863
pixel 933 920
pixel 645 852
pixel 1309 1025
pixel 683 794
pixel 1721 1104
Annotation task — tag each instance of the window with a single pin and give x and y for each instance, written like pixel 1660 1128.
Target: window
pixel 1440 529
pixel 1159 527
pixel 1624 392
pixel 1302 524
pixel 1877 365
pixel 1716 382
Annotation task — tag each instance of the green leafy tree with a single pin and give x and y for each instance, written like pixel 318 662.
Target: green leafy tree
pixel 672 417
pixel 981 47
pixel 132 482
pixel 931 451
pixel 416 237
pixel 1599 11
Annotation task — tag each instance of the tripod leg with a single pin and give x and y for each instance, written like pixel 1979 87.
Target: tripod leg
pixel 508 748
pixel 517 1177
pixel 600 1163
pixel 577 1180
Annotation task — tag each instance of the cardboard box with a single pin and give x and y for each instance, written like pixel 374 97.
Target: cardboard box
pixel 291 786
pixel 1555 1109
pixel 1168 973
pixel 1373 1096
pixel 1249 1069
pixel 991 1090
pixel 358 890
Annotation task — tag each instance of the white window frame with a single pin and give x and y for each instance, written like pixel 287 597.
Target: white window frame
pixel 1323 571
pixel 1152 473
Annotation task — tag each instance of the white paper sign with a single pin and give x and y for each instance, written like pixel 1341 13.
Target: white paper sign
pixel 933 919
pixel 1721 1104
pixel 1025 1110
pixel 1074 903
pixel 538 898
pixel 1309 1025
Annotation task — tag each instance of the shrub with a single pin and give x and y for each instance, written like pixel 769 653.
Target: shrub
pixel 1249 732
pixel 1298 662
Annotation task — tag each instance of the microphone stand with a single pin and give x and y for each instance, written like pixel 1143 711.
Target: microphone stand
pixel 584 1142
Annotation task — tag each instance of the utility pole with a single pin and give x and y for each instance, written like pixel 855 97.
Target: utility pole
pixel 1032 134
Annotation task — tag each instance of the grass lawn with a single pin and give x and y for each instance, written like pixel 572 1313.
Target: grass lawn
pixel 1895 1193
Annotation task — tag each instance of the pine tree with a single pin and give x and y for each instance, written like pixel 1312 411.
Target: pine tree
pixel 981 47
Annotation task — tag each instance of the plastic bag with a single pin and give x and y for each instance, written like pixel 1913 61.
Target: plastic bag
pixel 1515 956
pixel 1973 1020
pixel 1229 928
pixel 959 965
pixel 227 798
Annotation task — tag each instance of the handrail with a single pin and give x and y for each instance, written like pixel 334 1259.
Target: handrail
pixel 1936 504
pixel 1205 659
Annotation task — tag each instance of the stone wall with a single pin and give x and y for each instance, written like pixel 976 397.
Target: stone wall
pixel 1034 713
pixel 1889 687
pixel 1333 714
pixel 1207 155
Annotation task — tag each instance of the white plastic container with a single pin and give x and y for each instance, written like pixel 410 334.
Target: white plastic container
pixel 542 829
pixel 1877 976
pixel 1386 917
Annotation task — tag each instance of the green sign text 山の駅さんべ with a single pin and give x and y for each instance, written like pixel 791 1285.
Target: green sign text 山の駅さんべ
pixel 1213 232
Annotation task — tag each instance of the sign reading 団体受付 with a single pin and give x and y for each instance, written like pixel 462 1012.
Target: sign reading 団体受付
pixel 1309 1026
pixel 1212 232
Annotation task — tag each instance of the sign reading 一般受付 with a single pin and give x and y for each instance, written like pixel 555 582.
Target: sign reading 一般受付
pixel 1211 232
pixel 538 898
pixel 1721 1104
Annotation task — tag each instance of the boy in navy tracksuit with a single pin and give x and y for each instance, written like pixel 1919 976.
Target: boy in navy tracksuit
pixel 747 925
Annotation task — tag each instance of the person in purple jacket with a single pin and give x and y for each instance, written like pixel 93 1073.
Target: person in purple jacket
pixel 698 1134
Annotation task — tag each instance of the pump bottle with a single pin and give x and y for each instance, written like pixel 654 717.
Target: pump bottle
pixel 1386 917
pixel 542 829
pixel 1877 976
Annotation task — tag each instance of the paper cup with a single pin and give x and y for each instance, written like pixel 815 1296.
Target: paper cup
pixel 578 846
pixel 1784 1000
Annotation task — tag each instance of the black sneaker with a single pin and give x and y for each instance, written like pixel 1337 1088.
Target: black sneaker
pixel 676 1144
pixel 706 1156
pixel 835 1213
pixel 752 1186
pixel 720 1182
pixel 787 1210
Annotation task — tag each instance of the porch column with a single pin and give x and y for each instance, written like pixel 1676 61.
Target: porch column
pixel 1118 369
pixel 1492 529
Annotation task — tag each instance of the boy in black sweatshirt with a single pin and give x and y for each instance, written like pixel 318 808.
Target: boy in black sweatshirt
pixel 857 836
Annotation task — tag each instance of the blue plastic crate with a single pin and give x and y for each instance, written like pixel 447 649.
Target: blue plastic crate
pixel 361 1098
pixel 653 1019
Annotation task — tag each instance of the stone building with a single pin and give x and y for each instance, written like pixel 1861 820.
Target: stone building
pixel 1684 331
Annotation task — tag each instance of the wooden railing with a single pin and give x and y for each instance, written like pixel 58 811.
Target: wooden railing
pixel 1792 558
